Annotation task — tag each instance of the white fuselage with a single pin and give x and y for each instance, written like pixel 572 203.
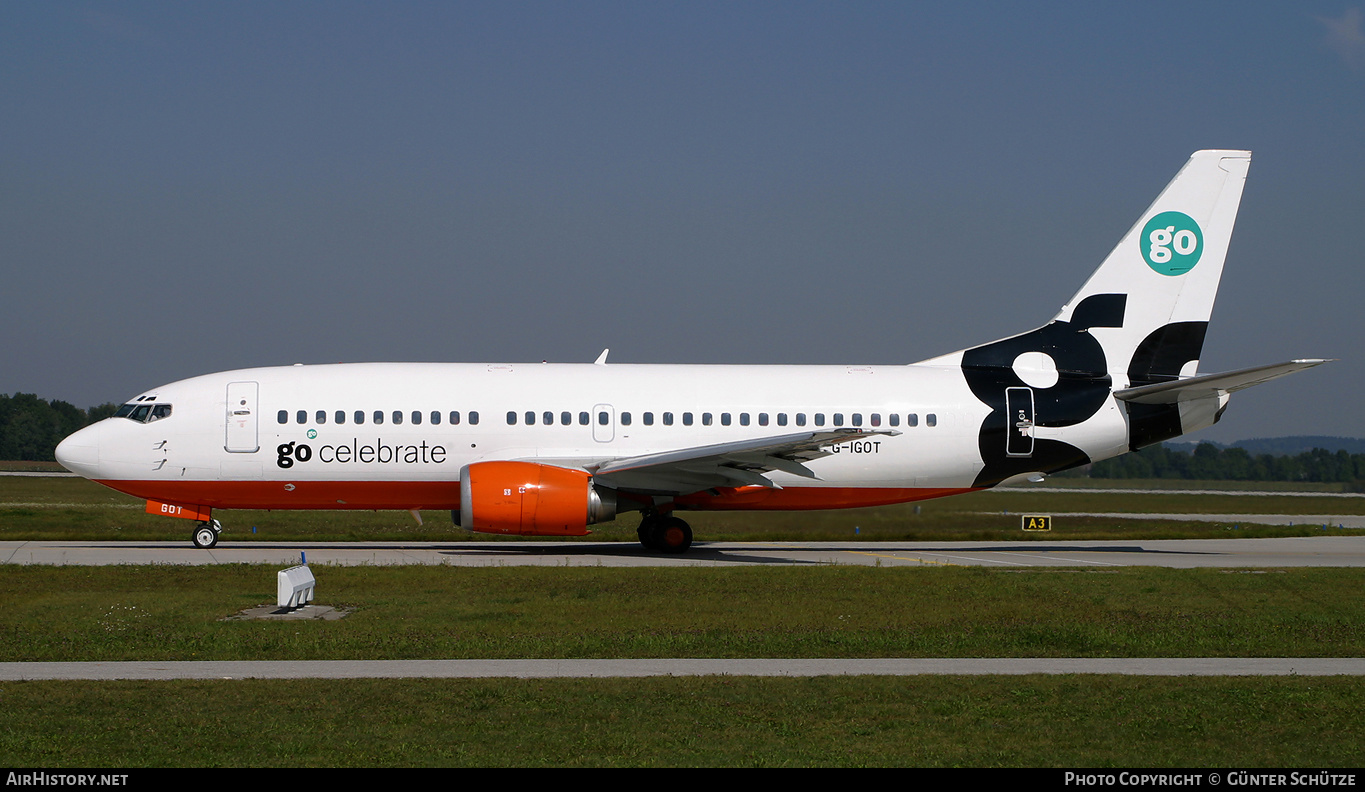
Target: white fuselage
pixel 436 418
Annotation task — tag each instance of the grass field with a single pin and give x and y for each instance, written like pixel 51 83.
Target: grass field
pixel 184 613
pixel 109 613
pixel 1079 721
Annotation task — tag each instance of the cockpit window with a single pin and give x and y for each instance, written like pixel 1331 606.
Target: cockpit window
pixel 144 413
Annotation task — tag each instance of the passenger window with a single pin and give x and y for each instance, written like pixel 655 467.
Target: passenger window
pixel 530 418
pixel 762 419
pixel 548 418
pixel 511 417
pixel 743 419
pixel 359 417
pixel 565 418
pixel 454 417
pixel 706 419
pixel 857 419
pixel 301 416
pixel 282 416
pixel 625 419
pixel 340 416
pixel 416 418
pixel 781 419
pixel 603 418
pixel 912 419
pixel 668 419
pixel 894 419
pixel 320 417
pixel 474 417
pixel 583 418
pixel 725 419
pixel 876 419
pixel 819 419
pixel 649 419
pixel 397 417
pixel 838 419
pixel 435 417
pixel 687 419
pixel 800 419
pixel 931 420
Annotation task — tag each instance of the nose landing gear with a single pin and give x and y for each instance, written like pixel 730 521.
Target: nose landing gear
pixel 206 534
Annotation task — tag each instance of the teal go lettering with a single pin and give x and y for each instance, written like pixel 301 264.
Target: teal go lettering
pixel 1171 243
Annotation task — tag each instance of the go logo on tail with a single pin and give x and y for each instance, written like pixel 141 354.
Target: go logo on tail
pixel 1171 243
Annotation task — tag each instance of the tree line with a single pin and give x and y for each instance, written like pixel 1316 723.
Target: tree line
pixel 1208 461
pixel 31 428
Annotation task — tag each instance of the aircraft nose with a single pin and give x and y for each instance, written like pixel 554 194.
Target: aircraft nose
pixel 80 453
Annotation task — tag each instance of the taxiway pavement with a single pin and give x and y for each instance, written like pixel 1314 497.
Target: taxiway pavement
pixel 580 669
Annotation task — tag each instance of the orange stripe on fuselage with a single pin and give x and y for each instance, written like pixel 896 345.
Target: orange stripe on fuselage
pixel 298 494
pixel 809 498
pixel 446 495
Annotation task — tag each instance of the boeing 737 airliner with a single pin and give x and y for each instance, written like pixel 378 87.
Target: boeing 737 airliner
pixel 549 449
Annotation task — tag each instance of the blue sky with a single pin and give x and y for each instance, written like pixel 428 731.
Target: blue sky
pixel 192 187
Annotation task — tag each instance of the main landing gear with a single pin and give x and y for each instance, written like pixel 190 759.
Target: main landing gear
pixel 206 534
pixel 664 533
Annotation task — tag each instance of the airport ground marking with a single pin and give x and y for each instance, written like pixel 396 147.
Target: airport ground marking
pixel 901 558
pixel 1062 559
pixel 983 560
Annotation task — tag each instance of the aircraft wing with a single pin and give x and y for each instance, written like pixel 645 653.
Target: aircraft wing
pixel 738 464
pixel 1212 384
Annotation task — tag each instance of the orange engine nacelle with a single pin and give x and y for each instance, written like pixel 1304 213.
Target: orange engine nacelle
pixel 531 500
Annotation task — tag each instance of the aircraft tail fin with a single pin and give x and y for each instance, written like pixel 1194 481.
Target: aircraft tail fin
pixel 1149 302
pixel 1141 316
pixel 1139 320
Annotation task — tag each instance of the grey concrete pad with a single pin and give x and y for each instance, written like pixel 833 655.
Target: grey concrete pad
pixel 304 613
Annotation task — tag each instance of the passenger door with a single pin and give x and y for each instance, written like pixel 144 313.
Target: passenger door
pixel 241 418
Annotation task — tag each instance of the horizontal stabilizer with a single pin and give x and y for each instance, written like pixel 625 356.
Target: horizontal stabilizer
pixel 1210 385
